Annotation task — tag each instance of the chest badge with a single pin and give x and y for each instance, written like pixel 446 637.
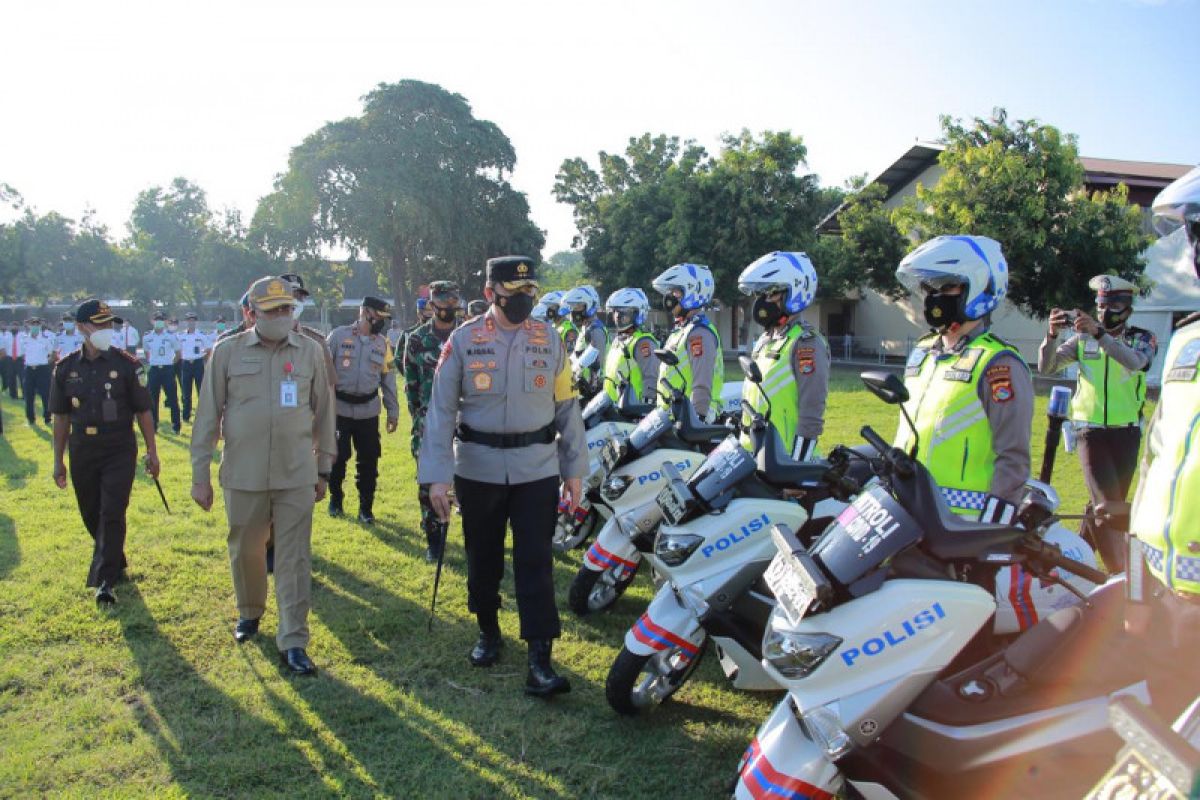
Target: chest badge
pixel 113 374
pixel 75 402
pixel 483 381
pixel 539 381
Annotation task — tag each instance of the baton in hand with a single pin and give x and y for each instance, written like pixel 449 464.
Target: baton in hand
pixel 157 485
pixel 444 530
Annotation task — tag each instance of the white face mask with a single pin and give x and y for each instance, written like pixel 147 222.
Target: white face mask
pixel 273 328
pixel 298 309
pixel 101 339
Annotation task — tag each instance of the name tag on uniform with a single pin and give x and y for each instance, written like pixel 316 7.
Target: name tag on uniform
pixel 1184 368
pixel 288 395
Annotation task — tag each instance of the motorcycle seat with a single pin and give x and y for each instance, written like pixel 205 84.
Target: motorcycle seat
pixel 692 430
pixel 950 536
pixel 1069 656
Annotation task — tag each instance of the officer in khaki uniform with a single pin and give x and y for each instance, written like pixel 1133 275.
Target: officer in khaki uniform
pixel 504 424
pixel 363 368
pixel 268 391
pixel 1106 410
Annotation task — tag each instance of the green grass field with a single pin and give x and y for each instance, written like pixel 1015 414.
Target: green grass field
pixel 155 698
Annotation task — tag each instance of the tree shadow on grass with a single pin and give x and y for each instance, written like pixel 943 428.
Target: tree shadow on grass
pixel 10 548
pixel 16 470
pixel 211 743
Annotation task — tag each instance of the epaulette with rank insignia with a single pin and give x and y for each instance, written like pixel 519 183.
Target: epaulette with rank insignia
pixel 128 356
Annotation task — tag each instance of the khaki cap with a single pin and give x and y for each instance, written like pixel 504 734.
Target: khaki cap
pixel 270 292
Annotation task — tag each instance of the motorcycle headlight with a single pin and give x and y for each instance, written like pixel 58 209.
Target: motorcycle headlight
pixel 796 655
pixel 615 486
pixel 674 548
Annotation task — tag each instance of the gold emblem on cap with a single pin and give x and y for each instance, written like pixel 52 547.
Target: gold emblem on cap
pixel 522 268
pixel 104 308
pixel 275 288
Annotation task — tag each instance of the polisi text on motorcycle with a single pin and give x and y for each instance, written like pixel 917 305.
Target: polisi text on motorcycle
pixel 743 533
pixel 657 474
pixel 895 634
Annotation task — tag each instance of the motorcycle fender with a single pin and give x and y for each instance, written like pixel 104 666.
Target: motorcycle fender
pixel 666 624
pixel 611 548
pixel 783 762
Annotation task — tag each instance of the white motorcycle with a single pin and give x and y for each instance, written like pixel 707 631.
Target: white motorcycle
pixel 871 638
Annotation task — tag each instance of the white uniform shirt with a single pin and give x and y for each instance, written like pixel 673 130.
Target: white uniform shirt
pixel 36 350
pixel 161 348
pixel 6 344
pixel 193 344
pixel 127 338
pixel 68 342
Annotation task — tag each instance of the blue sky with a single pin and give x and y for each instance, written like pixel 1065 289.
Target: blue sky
pixel 103 99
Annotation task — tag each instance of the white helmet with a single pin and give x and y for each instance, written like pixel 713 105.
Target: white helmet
pixel 1177 206
pixel 974 261
pixel 694 280
pixel 630 305
pixel 792 273
pixel 585 295
pixel 541 312
pixel 552 301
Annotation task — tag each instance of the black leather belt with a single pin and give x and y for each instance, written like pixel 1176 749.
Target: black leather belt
pixel 81 429
pixel 355 399
pixel 507 441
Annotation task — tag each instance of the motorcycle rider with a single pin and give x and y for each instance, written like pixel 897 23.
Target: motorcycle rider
pixel 792 355
pixel 687 289
pixel 1113 358
pixel 559 315
pixel 547 307
pixel 632 356
pixel 971 393
pixel 583 303
pixel 1165 519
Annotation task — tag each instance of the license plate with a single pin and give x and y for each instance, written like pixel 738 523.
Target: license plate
pixel 672 504
pixel 792 586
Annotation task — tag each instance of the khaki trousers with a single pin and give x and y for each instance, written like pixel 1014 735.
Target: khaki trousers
pixel 251 517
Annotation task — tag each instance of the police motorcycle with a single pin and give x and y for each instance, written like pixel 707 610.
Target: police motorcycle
pixel 712 550
pixel 873 637
pixel 623 490
pixel 1158 761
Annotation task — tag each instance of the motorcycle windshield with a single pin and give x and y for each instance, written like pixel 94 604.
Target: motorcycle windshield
pixel 865 536
pixel 650 428
pixel 725 468
pixel 596 407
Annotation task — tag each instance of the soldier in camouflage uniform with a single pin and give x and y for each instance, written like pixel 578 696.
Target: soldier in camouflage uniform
pixel 423 314
pixel 422 347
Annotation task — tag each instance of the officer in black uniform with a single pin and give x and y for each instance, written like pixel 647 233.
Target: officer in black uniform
pixel 96 393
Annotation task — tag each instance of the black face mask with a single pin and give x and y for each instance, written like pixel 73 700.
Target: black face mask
pixel 943 310
pixel 376 325
pixel 580 317
pixel 670 302
pixel 1115 319
pixel 766 312
pixel 446 314
pixel 516 307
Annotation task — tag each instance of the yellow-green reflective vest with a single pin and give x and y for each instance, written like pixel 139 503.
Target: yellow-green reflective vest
pixel 955 436
pixel 1166 511
pixel 1106 393
pixel 620 365
pixel 774 357
pixel 677 343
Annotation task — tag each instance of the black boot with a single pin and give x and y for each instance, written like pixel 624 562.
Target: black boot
pixel 543 681
pixel 487 648
pixel 335 506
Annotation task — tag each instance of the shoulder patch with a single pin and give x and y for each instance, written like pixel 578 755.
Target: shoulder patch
pixel 644 349
pixel 696 345
pixel 128 356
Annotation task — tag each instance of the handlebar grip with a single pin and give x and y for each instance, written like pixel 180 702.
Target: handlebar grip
pixel 1082 570
pixel 875 440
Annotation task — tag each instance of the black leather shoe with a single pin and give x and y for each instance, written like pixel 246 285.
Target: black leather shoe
pixel 542 680
pixel 270 558
pixel 245 629
pixel 298 662
pixel 335 509
pixel 486 650
pixel 366 518
pixel 105 596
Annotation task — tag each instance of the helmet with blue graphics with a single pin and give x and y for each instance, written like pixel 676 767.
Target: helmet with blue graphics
pixel 694 281
pixel 974 262
pixel 791 273
pixel 1178 206
pixel 583 300
pixel 629 307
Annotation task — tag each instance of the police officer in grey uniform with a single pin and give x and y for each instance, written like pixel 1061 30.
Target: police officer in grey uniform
pixel 363 367
pixel 504 424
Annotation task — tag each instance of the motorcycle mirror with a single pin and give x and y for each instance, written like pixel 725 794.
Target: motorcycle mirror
pixel 750 369
pixel 887 386
pixel 667 357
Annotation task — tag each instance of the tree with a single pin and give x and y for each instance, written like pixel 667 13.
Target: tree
pixel 172 224
pixel 1022 185
pixel 869 249
pixel 416 181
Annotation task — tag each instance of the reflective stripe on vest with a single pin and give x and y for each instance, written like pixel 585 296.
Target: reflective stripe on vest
pixel 955 436
pixel 621 364
pixel 1166 510
pixel 774 357
pixel 1106 392
pixel 668 379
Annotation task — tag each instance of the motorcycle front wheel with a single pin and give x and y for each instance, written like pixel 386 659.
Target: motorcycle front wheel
pixel 638 683
pixel 568 536
pixel 593 591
